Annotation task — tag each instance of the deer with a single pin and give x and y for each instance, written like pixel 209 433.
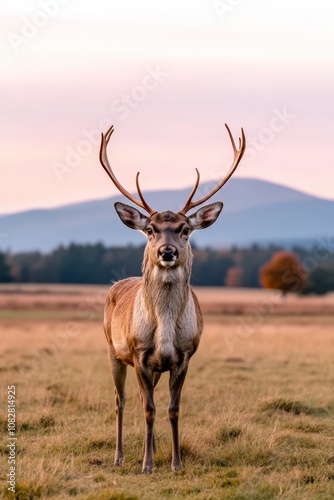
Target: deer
pixel 154 322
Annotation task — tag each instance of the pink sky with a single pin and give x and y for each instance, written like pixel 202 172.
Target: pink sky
pixel 167 75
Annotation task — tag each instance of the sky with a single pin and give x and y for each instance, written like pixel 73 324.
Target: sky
pixel 167 75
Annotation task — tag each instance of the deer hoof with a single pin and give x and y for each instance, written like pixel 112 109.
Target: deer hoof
pixel 119 461
pixel 176 467
pixel 147 469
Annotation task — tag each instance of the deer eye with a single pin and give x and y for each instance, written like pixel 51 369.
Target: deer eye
pixel 186 231
pixel 149 231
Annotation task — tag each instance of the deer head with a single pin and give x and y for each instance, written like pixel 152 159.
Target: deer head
pixel 168 232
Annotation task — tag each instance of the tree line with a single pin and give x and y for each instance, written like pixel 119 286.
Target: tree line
pixel 97 264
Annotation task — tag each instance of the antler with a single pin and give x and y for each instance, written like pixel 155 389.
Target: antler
pixel 238 153
pixel 105 164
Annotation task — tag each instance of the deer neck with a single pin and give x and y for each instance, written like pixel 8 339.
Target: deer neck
pixel 165 299
pixel 166 290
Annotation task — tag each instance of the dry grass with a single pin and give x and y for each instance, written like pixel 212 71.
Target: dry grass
pixel 84 300
pixel 256 414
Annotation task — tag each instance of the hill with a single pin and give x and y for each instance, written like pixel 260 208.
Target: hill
pixel 254 211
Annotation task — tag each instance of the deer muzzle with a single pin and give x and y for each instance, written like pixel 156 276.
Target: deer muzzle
pixel 167 255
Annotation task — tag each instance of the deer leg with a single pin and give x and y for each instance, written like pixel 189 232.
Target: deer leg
pixel 118 369
pixel 146 386
pixel 176 380
pixel 156 379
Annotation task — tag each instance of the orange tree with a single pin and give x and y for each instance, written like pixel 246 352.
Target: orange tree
pixel 283 272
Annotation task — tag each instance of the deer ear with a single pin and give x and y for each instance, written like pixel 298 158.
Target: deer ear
pixel 205 216
pixel 130 216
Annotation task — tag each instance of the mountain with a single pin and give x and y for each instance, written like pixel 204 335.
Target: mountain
pixel 254 211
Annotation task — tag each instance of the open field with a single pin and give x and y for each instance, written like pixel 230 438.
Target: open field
pixel 84 299
pixel 257 412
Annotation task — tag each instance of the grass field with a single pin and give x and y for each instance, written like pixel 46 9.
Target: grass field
pixel 257 412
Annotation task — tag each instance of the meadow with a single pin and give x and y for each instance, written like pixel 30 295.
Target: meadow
pixel 256 412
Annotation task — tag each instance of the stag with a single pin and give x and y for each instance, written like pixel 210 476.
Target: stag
pixel 154 322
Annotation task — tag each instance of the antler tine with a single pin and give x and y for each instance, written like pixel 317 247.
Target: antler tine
pixel 190 197
pixel 109 132
pixel 106 165
pixel 231 138
pixel 238 153
pixel 147 208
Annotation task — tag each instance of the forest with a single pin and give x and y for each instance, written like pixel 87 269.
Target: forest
pixel 97 264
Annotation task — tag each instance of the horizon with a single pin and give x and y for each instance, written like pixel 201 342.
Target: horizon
pixel 106 197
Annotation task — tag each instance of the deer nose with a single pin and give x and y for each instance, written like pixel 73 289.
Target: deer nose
pixel 168 253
